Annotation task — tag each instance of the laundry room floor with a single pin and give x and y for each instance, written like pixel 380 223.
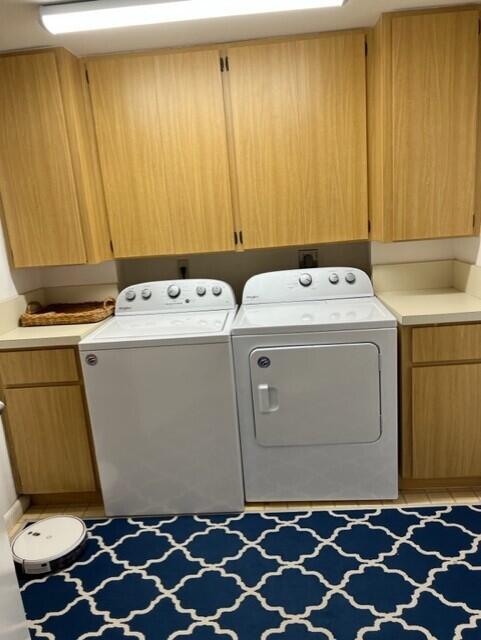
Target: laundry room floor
pixel 356 573
pixel 410 498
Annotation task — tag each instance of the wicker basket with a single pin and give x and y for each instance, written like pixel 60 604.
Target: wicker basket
pixel 79 313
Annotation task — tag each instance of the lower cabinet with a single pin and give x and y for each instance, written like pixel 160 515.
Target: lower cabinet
pixel 46 423
pixel 446 407
pixel 441 405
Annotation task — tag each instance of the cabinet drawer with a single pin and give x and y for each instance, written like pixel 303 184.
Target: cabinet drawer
pixel 44 366
pixel 446 344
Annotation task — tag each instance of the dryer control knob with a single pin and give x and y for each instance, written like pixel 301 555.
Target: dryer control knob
pixel 305 279
pixel 173 291
pixel 334 278
pixel 146 294
pixel 216 290
pixel 201 291
pixel 130 295
pixel 350 277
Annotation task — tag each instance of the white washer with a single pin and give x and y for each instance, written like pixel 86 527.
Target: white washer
pixel 161 395
pixel 315 359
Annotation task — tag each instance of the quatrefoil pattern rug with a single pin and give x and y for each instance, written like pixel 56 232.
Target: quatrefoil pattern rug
pixel 383 574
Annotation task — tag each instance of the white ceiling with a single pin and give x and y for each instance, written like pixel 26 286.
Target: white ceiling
pixel 20 27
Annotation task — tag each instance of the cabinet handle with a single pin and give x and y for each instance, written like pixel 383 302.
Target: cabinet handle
pixel 2 407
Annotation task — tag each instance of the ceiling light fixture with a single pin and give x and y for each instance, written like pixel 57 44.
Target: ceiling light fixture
pixel 91 15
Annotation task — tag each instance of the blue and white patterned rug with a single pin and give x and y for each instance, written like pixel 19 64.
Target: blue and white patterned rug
pixel 411 573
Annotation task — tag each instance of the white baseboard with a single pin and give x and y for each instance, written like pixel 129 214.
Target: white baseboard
pixel 16 511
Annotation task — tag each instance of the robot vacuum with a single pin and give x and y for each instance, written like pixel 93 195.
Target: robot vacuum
pixel 49 545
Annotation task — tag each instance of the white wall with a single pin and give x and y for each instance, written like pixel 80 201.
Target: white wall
pixel 464 249
pixel 468 250
pixel 416 251
pixel 104 273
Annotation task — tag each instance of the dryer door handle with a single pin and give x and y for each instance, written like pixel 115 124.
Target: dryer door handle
pixel 268 398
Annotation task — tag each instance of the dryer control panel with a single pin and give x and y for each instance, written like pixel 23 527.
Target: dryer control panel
pixel 303 285
pixel 175 296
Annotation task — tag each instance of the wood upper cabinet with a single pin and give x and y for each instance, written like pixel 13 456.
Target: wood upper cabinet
pixel 161 130
pixel 50 186
pixel 423 122
pixel 299 134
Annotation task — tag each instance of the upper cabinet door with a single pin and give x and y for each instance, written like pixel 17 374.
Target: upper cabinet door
pixel 435 106
pixel 423 82
pixel 299 132
pixel 37 182
pixel 161 131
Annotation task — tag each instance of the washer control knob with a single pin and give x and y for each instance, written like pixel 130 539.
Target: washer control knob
pixel 350 277
pixel 130 295
pixel 201 291
pixel 146 294
pixel 334 278
pixel 173 291
pixel 216 290
pixel 305 279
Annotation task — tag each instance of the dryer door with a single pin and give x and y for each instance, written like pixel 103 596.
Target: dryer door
pixel 316 394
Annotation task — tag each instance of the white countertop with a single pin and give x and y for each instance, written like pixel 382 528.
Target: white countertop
pixel 52 336
pixel 432 306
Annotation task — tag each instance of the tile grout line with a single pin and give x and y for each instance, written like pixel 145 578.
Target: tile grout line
pixel 428 497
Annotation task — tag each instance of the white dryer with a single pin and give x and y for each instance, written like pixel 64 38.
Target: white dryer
pixel 316 375
pixel 160 388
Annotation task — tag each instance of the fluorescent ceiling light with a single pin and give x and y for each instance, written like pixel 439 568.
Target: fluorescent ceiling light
pixel 110 14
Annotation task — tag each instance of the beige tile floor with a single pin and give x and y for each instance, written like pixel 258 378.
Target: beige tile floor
pixel 407 498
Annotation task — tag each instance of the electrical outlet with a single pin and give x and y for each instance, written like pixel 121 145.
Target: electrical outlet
pixel 308 258
pixel 183 269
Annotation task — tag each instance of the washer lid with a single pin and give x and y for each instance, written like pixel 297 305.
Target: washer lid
pixel 327 315
pixel 48 539
pixel 127 330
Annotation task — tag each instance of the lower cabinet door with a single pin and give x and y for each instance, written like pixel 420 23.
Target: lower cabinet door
pixel 48 433
pixel 447 421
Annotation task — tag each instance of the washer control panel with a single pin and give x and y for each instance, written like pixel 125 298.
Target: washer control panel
pixel 175 295
pixel 300 285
